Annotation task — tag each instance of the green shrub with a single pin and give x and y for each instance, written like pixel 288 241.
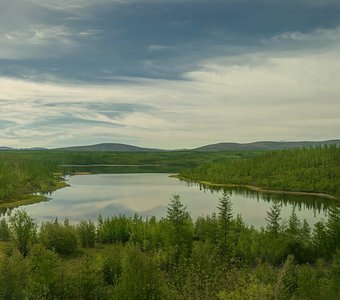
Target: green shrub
pixel 4 230
pixel 60 238
pixel 87 233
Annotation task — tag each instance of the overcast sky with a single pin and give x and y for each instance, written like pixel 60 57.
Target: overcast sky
pixel 168 73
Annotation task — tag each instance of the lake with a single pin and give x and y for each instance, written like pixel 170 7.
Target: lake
pixel 149 194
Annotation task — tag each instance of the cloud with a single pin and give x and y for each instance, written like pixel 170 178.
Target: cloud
pixel 36 41
pixel 152 48
pixel 69 5
pixel 285 88
pixel 320 37
pixel 43 41
pixel 264 96
pixel 39 35
pixel 28 32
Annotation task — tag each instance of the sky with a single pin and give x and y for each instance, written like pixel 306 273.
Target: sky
pixel 168 73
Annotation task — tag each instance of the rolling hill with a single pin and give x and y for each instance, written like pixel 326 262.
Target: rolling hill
pixel 224 146
pixel 109 147
pixel 265 145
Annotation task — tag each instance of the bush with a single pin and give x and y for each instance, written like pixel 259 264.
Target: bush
pixel 60 238
pixel 114 229
pixel 141 278
pixel 45 273
pixel 13 277
pixel 87 233
pixel 4 231
pixel 23 229
pixel 112 266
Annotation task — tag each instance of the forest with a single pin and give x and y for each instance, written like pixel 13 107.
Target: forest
pixel 302 169
pixel 216 256
pixel 24 173
pixel 213 257
pixel 22 176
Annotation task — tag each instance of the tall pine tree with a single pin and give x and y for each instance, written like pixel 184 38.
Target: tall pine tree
pixel 273 219
pixel 181 231
pixel 224 221
pixel 333 228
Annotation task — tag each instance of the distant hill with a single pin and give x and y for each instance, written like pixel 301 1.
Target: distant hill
pixel 117 147
pixel 265 145
pixel 109 147
pixel 3 148
pixel 6 148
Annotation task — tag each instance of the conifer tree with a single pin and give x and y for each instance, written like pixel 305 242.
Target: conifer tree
pixel 294 224
pixel 333 228
pixel 320 239
pixel 305 230
pixel 180 235
pixel 273 219
pixel 224 221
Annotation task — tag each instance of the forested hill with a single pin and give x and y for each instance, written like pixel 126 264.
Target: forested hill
pixel 303 169
pixel 109 147
pixel 225 146
pixel 265 145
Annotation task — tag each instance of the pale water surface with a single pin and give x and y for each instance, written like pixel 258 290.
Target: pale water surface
pixel 149 194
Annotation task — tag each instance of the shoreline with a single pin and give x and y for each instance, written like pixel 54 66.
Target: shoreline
pixel 256 188
pixel 33 199
pixel 111 165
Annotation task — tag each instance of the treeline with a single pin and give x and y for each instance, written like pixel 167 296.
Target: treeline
pixel 23 173
pixel 304 170
pixel 21 176
pixel 179 159
pixel 213 257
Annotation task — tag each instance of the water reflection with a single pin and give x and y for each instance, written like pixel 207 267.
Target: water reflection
pixel 301 202
pixel 118 169
pixel 5 212
pixel 149 194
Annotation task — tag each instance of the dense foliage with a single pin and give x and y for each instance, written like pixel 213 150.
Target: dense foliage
pixel 304 170
pixel 23 173
pixel 213 257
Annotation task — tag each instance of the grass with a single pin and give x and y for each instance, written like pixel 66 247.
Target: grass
pixel 32 199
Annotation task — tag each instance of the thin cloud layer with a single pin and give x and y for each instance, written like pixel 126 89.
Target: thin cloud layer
pixel 195 79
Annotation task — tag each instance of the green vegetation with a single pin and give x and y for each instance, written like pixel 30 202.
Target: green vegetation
pixel 213 257
pixel 23 230
pixel 315 170
pixel 24 173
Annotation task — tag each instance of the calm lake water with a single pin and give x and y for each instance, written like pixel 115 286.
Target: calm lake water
pixel 149 194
